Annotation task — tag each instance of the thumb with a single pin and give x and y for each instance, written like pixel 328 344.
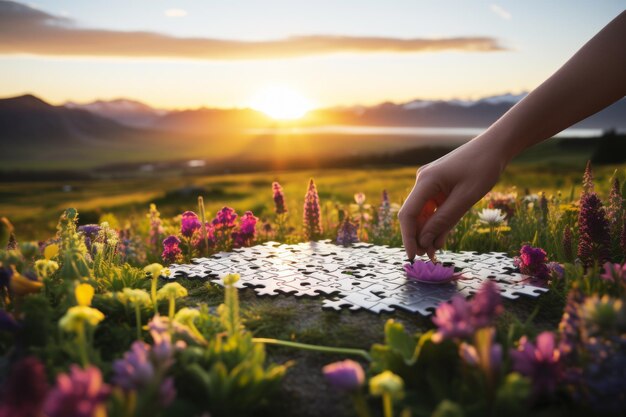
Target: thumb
pixel 445 218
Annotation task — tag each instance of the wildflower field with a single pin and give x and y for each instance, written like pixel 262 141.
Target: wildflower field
pixel 88 327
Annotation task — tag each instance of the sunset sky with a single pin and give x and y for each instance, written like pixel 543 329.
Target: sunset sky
pixel 191 53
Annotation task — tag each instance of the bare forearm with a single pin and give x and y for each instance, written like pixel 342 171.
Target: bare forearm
pixel 592 79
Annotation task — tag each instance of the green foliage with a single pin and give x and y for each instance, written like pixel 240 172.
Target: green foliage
pixel 74 265
pixel 229 376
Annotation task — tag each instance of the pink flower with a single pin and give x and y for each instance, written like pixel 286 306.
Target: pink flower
pixel 486 304
pixel 614 272
pixel 312 215
pixel 171 250
pixel 532 261
pixel 540 362
pixel 428 272
pixel 79 393
pixel 346 375
pixel 247 230
pixel 454 320
pixel 189 224
pixel 359 198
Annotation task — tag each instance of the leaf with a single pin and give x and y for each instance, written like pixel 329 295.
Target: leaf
pixel 400 341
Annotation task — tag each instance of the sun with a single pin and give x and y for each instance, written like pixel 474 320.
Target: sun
pixel 281 103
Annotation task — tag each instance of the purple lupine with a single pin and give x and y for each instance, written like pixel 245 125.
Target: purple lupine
pixel 156 227
pixel 532 261
pixel 25 389
pixel 384 219
pixel 346 375
pixel 454 320
pixel 595 241
pixel 567 244
pixel 312 213
pixel 541 362
pixel 622 238
pixel 486 304
pixel 615 209
pixel 588 186
pixel 347 233
pixel 614 272
pixel 135 370
pixel 279 198
pixel 569 326
pixel 556 269
pixel 189 223
pixel 79 393
pixel 171 249
pixel 247 230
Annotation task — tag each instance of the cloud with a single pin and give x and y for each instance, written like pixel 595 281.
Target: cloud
pixel 175 13
pixel 24 30
pixel 501 11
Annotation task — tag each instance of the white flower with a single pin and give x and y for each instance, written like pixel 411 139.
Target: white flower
pixel 491 217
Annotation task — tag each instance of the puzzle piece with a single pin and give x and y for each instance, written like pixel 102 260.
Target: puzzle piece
pixel 358 277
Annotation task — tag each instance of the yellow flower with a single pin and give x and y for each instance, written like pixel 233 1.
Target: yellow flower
pixel 231 279
pixel 569 208
pixel 84 294
pixel 136 296
pixel 171 290
pixel 387 383
pixel 186 315
pixel 78 315
pixel 51 251
pixel 46 267
pixel 155 270
pixel 20 285
pixel 501 229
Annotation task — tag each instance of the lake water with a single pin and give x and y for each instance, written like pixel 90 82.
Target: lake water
pixel 399 131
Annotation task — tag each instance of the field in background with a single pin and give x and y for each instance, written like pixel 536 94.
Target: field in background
pixel 34 207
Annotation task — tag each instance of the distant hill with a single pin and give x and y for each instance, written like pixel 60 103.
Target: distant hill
pixel 29 120
pixel 424 113
pixel 127 112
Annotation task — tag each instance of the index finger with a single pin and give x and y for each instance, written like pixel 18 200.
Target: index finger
pixel 409 217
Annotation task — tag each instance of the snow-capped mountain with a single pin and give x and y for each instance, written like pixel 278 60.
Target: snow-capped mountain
pixel 128 112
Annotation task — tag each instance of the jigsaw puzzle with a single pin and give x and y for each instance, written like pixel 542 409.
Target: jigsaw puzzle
pixel 360 276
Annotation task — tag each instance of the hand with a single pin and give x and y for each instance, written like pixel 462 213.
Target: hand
pixel 444 191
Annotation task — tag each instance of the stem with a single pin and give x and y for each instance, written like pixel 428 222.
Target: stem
pixel 387 405
pixel 324 349
pixel 172 308
pixel 82 344
pixel 153 291
pixel 138 320
pixel 360 405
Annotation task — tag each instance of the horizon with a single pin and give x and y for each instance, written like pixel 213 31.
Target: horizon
pixel 195 55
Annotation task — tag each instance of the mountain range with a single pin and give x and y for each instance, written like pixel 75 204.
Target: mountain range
pixel 36 134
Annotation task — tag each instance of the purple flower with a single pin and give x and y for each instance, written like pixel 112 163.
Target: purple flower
pixel 171 249
pixel 595 241
pixel 247 230
pixel 312 213
pixel 347 233
pixel 432 273
pixel 532 261
pixel 167 392
pixel 485 354
pixel 486 304
pixel 200 242
pixel 7 322
pixel 614 272
pixel 346 375
pixel 454 320
pixel 540 362
pixel 89 230
pixel 25 389
pixel 556 269
pixel 279 198
pixel 614 210
pixel 569 327
pixel 189 223
pixel 588 186
pixel 135 370
pixel 567 244
pixel 224 219
pixel 79 393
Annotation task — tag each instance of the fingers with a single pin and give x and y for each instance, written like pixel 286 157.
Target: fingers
pixel 411 219
pixel 436 229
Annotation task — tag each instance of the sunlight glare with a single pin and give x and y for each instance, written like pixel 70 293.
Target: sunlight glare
pixel 281 103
